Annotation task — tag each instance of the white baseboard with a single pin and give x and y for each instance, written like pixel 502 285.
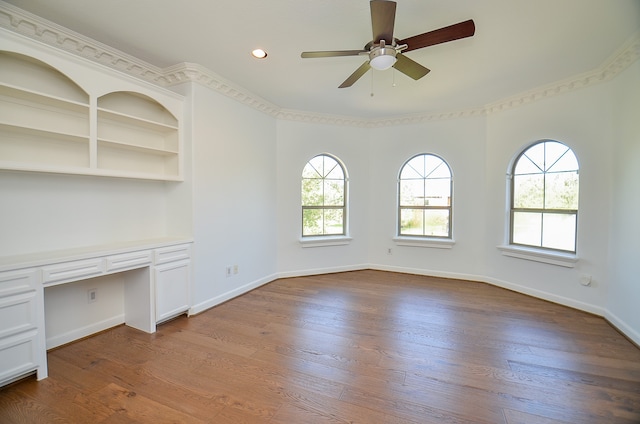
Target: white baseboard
pixel 318 271
pixel 625 329
pixel 85 331
pixel 203 306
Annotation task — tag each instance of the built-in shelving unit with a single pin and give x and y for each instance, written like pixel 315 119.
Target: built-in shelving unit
pixel 136 134
pixel 46 125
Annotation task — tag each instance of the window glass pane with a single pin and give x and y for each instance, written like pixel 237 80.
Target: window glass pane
pixel 333 170
pixel 411 222
pixel 438 192
pixel 527 228
pixel 528 191
pixel 568 162
pixel 312 222
pixel 561 190
pixel 314 168
pixel 526 166
pixel 436 222
pixel 436 168
pixel 312 192
pixel 412 193
pixel 559 231
pixel 333 192
pixel 333 221
pixel 553 151
pixel 415 168
pixel 536 155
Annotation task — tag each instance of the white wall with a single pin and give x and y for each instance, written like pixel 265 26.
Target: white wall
pixel 582 120
pixel 297 143
pixel 461 143
pixel 234 196
pixel 624 292
pixel 42 212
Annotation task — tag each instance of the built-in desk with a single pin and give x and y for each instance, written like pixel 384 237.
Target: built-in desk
pixel 150 297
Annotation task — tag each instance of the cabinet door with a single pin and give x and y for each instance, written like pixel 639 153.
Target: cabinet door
pixel 21 326
pixel 172 289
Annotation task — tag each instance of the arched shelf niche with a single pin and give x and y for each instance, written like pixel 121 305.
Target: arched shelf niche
pixel 136 134
pixel 44 116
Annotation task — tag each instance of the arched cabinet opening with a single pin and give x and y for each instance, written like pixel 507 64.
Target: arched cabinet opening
pixel 136 134
pixel 44 116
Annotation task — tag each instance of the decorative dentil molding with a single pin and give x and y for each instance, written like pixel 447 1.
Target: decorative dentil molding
pixel 37 28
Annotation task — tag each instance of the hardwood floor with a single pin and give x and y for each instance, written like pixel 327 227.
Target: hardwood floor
pixel 355 347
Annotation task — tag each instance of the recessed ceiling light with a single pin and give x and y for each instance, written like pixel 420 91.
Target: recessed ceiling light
pixel 259 54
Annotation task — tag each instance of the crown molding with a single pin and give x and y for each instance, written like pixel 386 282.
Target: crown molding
pixel 192 72
pixel 617 62
pixel 39 29
pixel 49 33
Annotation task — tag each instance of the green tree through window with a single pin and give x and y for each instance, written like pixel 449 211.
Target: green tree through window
pixel 424 197
pixel 544 197
pixel 323 197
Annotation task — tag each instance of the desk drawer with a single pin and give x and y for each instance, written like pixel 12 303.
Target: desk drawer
pixel 14 282
pixel 18 356
pixel 172 253
pixel 72 271
pixel 18 314
pixel 128 260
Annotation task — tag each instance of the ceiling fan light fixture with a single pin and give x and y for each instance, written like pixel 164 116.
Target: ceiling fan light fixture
pixel 382 58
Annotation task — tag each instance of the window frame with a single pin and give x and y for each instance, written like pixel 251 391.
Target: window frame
pixel 512 210
pixel 312 240
pixel 416 239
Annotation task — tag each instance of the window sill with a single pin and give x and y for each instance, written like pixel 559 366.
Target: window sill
pixel 325 241
pixel 434 243
pixel 532 254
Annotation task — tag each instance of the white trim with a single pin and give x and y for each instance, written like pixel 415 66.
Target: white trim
pixel 214 301
pixel 623 327
pixel 545 256
pixel 320 271
pixel 323 241
pixel 431 242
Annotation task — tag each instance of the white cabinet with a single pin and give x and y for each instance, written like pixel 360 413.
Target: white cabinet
pixel 156 276
pixel 48 123
pixel 21 326
pixel 172 281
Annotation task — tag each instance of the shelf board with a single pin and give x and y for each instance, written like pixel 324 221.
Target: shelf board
pixel 130 119
pixel 80 138
pixel 127 146
pixel 12 92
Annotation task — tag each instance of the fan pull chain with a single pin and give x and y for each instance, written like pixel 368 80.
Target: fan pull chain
pixel 372 72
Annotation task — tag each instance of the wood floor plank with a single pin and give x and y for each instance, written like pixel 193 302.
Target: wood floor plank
pixel 355 347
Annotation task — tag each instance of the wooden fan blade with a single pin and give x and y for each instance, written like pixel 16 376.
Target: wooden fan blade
pixel 356 75
pixel 332 53
pixel 439 36
pixel 383 16
pixel 410 67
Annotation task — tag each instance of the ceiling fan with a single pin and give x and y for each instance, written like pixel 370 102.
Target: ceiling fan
pixel 385 51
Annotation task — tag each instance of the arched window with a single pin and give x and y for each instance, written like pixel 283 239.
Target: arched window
pixel 324 194
pixel 425 197
pixel 544 197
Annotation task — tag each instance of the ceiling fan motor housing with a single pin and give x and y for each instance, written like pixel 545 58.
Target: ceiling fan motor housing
pixel 382 57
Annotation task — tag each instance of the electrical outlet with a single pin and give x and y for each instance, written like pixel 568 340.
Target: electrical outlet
pixel 389 251
pixel 92 295
pixel 229 271
pixel 235 269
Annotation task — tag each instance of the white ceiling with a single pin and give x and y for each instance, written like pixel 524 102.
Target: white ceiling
pixel 518 45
